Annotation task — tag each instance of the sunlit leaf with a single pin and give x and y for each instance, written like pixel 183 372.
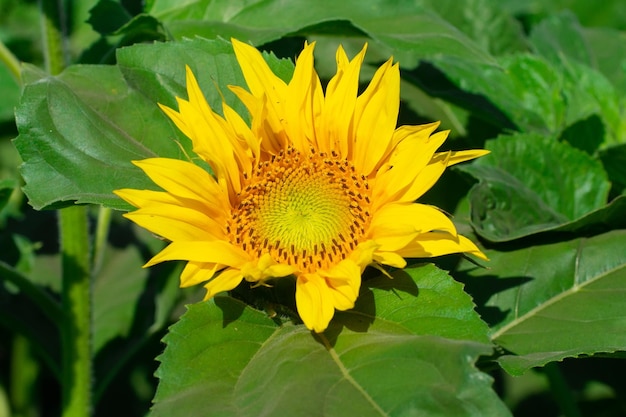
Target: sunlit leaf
pixel 530 184
pixel 552 301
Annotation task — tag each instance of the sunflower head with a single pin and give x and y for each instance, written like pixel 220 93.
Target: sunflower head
pixel 319 185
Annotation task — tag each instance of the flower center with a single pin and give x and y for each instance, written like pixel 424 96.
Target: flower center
pixel 309 211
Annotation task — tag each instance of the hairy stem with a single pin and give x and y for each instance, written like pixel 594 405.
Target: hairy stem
pixel 76 360
pixel 76 357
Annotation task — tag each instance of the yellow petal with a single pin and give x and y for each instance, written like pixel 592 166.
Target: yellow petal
pixel 411 157
pixel 271 89
pixel 375 118
pixel 177 223
pixel 314 302
pixel 186 180
pixel 396 224
pixel 225 281
pixel 390 258
pixel 304 102
pixel 197 272
pixel 344 282
pixel 259 77
pixel 140 198
pixel 217 251
pixel 265 268
pixel 339 104
pixel 457 157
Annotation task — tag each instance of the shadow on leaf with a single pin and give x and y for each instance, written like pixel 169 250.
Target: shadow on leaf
pixel 362 316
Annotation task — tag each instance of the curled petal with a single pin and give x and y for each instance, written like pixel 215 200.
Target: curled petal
pixel 197 272
pixel 225 281
pixel 432 244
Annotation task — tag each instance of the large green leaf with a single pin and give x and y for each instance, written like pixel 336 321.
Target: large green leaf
pixel 411 30
pixel 553 301
pixel 80 130
pixel 531 183
pixel 385 357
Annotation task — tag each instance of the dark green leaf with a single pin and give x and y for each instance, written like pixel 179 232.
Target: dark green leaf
pixel 614 161
pixel 553 301
pixel 531 183
pixel 237 356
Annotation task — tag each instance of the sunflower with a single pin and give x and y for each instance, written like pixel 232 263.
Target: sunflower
pixel 319 185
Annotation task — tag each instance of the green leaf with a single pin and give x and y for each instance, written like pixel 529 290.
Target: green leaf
pixel 80 130
pixel 609 47
pixel 485 22
pixel 224 350
pixel 560 37
pixel 554 301
pixel 530 184
pixel 117 289
pixel 421 299
pixel 411 31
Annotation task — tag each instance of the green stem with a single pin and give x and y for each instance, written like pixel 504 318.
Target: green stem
pixel 100 240
pixel 561 391
pixel 76 359
pixel 76 355
pixel 11 62
pixel 53 30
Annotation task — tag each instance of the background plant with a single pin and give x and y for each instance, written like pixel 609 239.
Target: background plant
pixel 541 330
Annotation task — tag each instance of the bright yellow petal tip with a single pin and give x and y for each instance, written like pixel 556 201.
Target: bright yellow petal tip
pixel 318 186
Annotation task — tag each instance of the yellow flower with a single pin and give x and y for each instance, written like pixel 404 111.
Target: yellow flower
pixel 319 186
